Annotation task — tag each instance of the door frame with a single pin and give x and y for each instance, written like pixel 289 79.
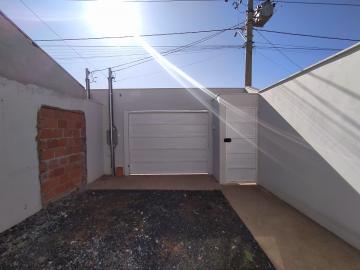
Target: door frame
pixel 126 135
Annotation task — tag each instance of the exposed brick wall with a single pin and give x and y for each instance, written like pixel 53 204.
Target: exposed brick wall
pixel 62 151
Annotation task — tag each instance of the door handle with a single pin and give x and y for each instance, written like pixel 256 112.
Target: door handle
pixel 227 140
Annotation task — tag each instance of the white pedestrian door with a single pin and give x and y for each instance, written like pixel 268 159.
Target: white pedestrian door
pixel 240 152
pixel 168 142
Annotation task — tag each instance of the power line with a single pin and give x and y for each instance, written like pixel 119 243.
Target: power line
pixel 47 25
pixel 129 55
pixel 150 58
pixel 132 47
pixel 299 49
pixel 53 31
pixel 168 1
pixel 180 66
pixel 153 1
pixel 273 61
pixel 276 1
pixel 201 49
pixel 280 51
pixel 318 3
pixel 143 35
pixel 307 35
pixel 198 32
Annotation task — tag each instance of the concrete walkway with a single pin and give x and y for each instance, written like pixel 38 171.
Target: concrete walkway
pixel 291 240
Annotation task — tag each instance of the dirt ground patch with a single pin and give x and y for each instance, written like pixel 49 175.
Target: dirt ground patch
pixel 133 230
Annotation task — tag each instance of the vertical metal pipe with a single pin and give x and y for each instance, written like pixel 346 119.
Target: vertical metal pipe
pixel 87 83
pixel 111 123
pixel 249 43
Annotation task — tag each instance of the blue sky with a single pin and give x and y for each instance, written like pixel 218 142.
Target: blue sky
pixel 212 68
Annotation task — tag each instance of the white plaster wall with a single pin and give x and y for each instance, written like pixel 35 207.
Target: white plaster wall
pixel 149 99
pixel 22 60
pixel 19 166
pixel 309 143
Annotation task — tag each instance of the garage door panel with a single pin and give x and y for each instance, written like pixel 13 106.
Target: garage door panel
pixel 168 155
pixel 170 168
pixel 166 143
pixel 169 118
pixel 164 131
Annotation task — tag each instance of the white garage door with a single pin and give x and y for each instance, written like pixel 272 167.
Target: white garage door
pixel 168 142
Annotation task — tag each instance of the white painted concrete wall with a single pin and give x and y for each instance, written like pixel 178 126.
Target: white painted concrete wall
pixel 309 142
pixel 22 60
pixel 19 165
pixel 149 99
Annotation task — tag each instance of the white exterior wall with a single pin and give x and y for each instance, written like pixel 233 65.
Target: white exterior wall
pixel 148 99
pixel 19 165
pixel 309 142
pixel 23 61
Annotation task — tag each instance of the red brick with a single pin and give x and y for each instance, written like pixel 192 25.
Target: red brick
pixel 62 123
pixel 76 157
pixel 46 113
pixel 42 167
pixel 56 172
pixel 53 164
pixel 62 151
pixel 48 123
pixel 50 133
pixel 64 160
pixel 46 154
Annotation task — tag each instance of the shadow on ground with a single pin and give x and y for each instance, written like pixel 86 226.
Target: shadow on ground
pixel 133 230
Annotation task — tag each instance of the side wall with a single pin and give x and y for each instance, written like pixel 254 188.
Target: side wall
pixel 19 165
pixel 309 142
pixel 22 60
pixel 149 99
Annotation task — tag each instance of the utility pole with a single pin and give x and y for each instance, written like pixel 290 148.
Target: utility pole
pixel 87 83
pixel 112 130
pixel 249 43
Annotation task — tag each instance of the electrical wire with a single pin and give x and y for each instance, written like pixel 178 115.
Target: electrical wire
pixel 150 58
pixel 306 35
pixel 279 50
pixel 276 1
pixel 201 50
pixel 299 49
pixel 129 55
pixel 180 66
pixel 153 1
pixel 318 3
pixel 143 35
pixel 53 31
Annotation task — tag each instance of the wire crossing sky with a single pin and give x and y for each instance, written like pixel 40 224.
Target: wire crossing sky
pixel 194 35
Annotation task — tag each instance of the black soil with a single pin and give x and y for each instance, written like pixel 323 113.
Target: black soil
pixel 133 230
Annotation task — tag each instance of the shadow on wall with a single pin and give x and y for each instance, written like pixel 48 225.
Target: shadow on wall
pixel 337 86
pixel 303 178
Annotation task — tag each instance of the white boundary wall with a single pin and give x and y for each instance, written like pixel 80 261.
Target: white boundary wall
pixel 309 142
pixel 147 100
pixel 19 165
